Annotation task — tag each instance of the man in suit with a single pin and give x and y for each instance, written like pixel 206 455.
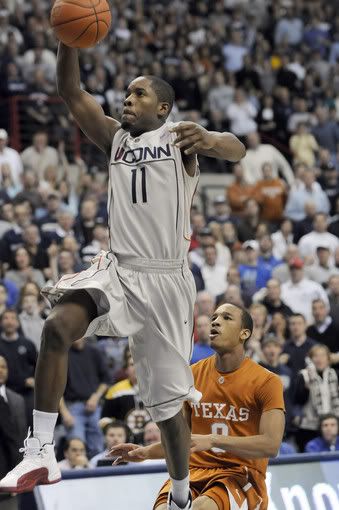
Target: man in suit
pixel 12 431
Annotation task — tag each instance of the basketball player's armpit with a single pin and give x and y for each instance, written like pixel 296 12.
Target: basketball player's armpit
pixel 85 109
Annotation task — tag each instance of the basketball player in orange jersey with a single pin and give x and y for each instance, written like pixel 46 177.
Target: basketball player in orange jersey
pixel 238 423
pixel 142 287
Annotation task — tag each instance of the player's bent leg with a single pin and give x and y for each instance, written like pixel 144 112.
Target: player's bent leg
pixel 204 503
pixel 67 322
pixel 175 438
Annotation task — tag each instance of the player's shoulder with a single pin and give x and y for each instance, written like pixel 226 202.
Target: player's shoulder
pixel 202 366
pixel 119 389
pixel 262 374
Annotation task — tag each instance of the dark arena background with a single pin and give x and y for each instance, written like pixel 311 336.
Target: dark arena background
pixel 264 230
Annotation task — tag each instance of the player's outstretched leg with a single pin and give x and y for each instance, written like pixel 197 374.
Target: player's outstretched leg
pixel 176 440
pixel 67 322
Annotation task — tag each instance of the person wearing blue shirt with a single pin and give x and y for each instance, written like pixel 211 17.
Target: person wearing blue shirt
pixel 266 258
pixel 286 449
pixel 329 439
pixel 253 276
pixel 202 348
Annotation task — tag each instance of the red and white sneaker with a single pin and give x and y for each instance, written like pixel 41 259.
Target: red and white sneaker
pixel 38 467
pixel 173 506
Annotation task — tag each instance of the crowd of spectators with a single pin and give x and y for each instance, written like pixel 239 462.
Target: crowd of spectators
pixel 269 72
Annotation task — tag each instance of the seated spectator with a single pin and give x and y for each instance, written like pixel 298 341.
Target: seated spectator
pixel 3 298
pixel 334 221
pixel 282 238
pixel 100 242
pixel 214 274
pixel 282 272
pixel 21 357
pixel 303 145
pixel 324 330
pixel 87 220
pixel 289 28
pixel 13 237
pixel 333 296
pixel 11 157
pixel 205 238
pixel 232 295
pixel 115 433
pixel 36 245
pixel 322 269
pixel 248 224
pixel 239 191
pixel 305 226
pixel 6 215
pixel 24 272
pixel 316 392
pixel 271 351
pixel 272 300
pixel 260 153
pixel 13 429
pixel 122 402
pixel 75 456
pixel 86 384
pixel 270 193
pixel 151 433
pixel 319 236
pixel 241 114
pixel 329 181
pixel 326 131
pixel 204 304
pixel 310 190
pixel 299 344
pixel 221 211
pixel 202 349
pixel 253 276
pixel 299 292
pixel 279 327
pixel 286 449
pixel 39 155
pixel 266 258
pixel 31 322
pixel 234 51
pixel 49 221
pixel 29 190
pixel 328 441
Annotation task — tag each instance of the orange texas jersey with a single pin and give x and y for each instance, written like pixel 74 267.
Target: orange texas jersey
pixel 232 404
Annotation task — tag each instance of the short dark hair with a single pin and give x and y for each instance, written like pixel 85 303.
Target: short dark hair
pixel 328 416
pixel 117 424
pixel 297 315
pixel 246 319
pixel 164 91
pixel 67 443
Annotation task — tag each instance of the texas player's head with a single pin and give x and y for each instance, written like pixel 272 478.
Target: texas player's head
pixel 148 102
pixel 231 327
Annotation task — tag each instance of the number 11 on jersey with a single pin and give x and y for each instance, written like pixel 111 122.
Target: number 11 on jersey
pixel 134 171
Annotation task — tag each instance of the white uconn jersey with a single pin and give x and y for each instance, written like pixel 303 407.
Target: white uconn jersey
pixel 150 196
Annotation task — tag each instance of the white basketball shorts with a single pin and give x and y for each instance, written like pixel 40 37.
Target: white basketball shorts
pixel 151 302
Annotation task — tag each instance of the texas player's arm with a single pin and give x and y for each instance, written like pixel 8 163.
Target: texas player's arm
pixel 194 139
pixel 88 114
pixel 129 452
pixel 265 444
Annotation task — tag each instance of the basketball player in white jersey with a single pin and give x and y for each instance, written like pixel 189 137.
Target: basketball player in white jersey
pixel 141 287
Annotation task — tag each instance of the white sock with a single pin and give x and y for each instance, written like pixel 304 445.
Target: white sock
pixel 44 425
pixel 181 491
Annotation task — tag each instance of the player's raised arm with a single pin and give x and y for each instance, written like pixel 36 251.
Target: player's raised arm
pixel 89 115
pixel 263 445
pixel 194 139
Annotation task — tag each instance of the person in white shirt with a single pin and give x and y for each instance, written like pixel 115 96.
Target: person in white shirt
pixel 241 114
pixel 299 293
pixel 259 153
pixel 40 155
pixel 214 274
pixel 282 238
pixel 319 236
pixel 10 157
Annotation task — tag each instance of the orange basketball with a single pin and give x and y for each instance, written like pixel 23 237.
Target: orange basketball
pixel 80 23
